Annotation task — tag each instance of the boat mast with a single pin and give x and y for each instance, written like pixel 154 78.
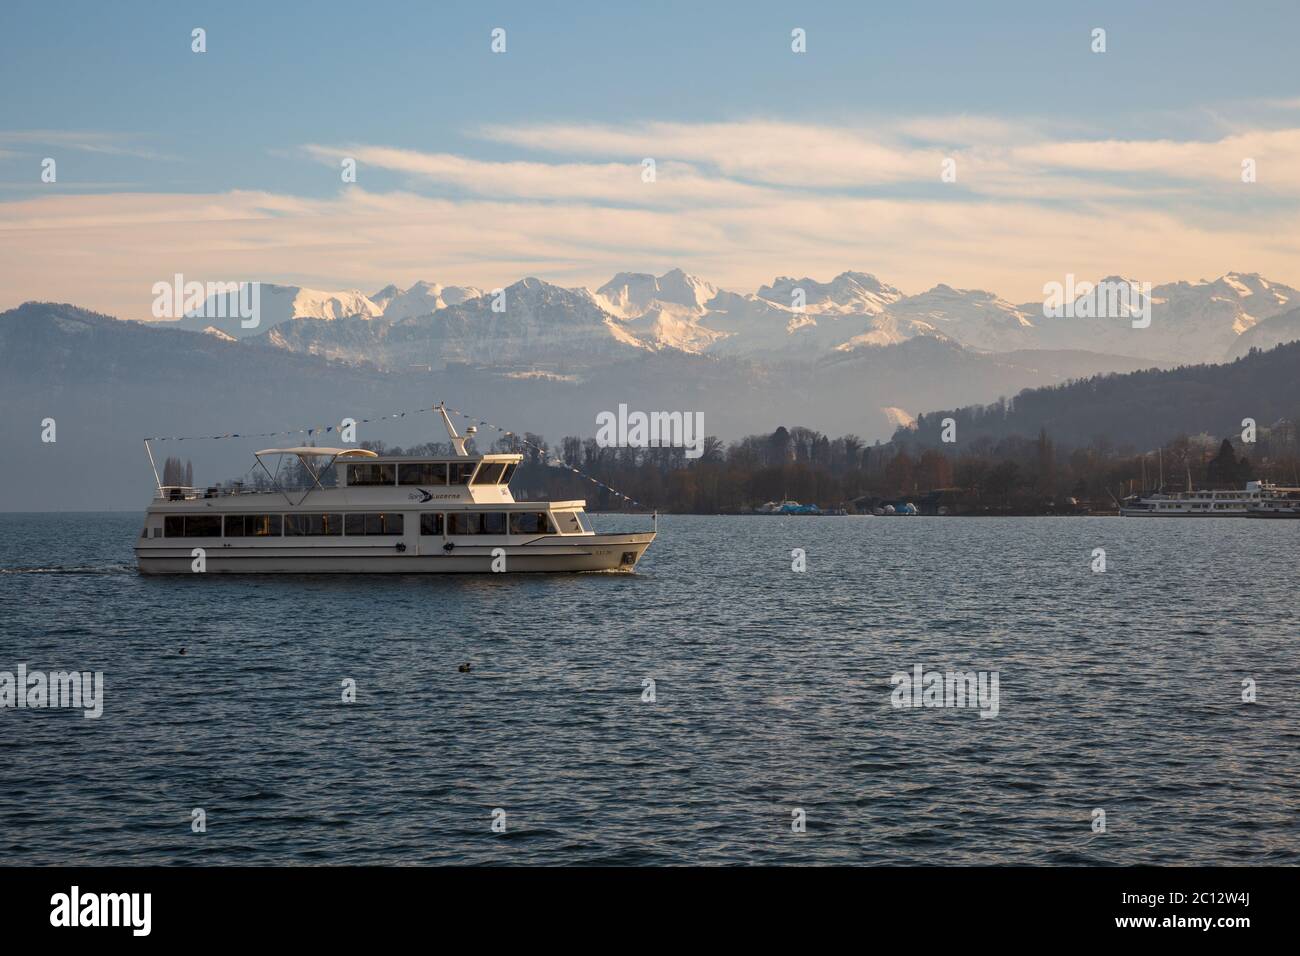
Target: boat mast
pixel 457 441
pixel 149 451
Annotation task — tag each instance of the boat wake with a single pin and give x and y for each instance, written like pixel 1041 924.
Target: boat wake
pixel 100 569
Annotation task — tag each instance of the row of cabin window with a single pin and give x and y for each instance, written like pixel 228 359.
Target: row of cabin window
pixel 269 526
pixel 486 522
pixel 456 522
pixel 431 473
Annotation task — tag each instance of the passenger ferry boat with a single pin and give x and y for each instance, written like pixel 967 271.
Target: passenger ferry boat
pixel 386 514
pixel 1258 496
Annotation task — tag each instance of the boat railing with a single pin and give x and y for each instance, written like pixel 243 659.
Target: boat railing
pixel 190 493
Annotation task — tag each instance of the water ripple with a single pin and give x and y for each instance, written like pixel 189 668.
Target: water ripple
pixel 1119 692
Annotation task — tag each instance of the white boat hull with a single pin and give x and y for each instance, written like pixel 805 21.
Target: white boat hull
pixel 600 552
pixel 1147 513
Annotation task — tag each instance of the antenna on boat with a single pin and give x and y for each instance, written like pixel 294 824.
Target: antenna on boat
pixel 1161 453
pixel 149 451
pixel 457 442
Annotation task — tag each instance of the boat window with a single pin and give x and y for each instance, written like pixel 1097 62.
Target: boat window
pixel 529 522
pixel 262 526
pixel 371 474
pixel 378 523
pixel 494 522
pixel 384 524
pixel 568 522
pixel 460 471
pixel 199 526
pixel 464 522
pixel 174 526
pixel 422 473
pixel 490 473
pixel 312 525
pixel 509 473
pixel 585 522
pixel 431 523
pixel 252 526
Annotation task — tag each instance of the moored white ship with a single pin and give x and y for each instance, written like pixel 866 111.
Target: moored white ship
pixel 385 514
pixel 1281 503
pixel 1229 503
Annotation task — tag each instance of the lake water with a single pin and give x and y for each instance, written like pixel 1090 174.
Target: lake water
pixel 1118 691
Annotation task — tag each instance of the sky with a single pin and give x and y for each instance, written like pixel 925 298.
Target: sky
pixel 480 167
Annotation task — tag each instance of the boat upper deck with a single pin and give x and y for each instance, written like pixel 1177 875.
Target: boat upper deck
pixel 364 477
pixel 454 470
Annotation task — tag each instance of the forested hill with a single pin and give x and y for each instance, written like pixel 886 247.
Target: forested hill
pixel 1139 409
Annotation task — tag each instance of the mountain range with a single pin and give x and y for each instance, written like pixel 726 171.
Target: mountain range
pixel 533 323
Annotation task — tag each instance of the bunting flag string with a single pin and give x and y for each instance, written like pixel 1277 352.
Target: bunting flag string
pixel 551 461
pixel 312 431
pixel 309 431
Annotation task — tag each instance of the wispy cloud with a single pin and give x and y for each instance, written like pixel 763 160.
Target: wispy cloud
pixel 89 141
pixel 779 153
pixel 1276 154
pixel 674 182
pixel 737 202
pixel 991 155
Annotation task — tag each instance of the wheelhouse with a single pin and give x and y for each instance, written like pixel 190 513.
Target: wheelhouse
pixel 379 472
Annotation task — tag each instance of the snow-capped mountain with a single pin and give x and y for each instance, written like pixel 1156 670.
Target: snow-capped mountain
pixel 384 296
pixel 1190 322
pixel 750 326
pixel 661 312
pixel 530 323
pixel 758 327
pixel 1214 313
pixel 630 294
pixel 421 299
pixel 672 327
pixel 857 293
pixel 276 304
pixel 790 318
pixel 973 317
pixel 216 333
pixel 1266 334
